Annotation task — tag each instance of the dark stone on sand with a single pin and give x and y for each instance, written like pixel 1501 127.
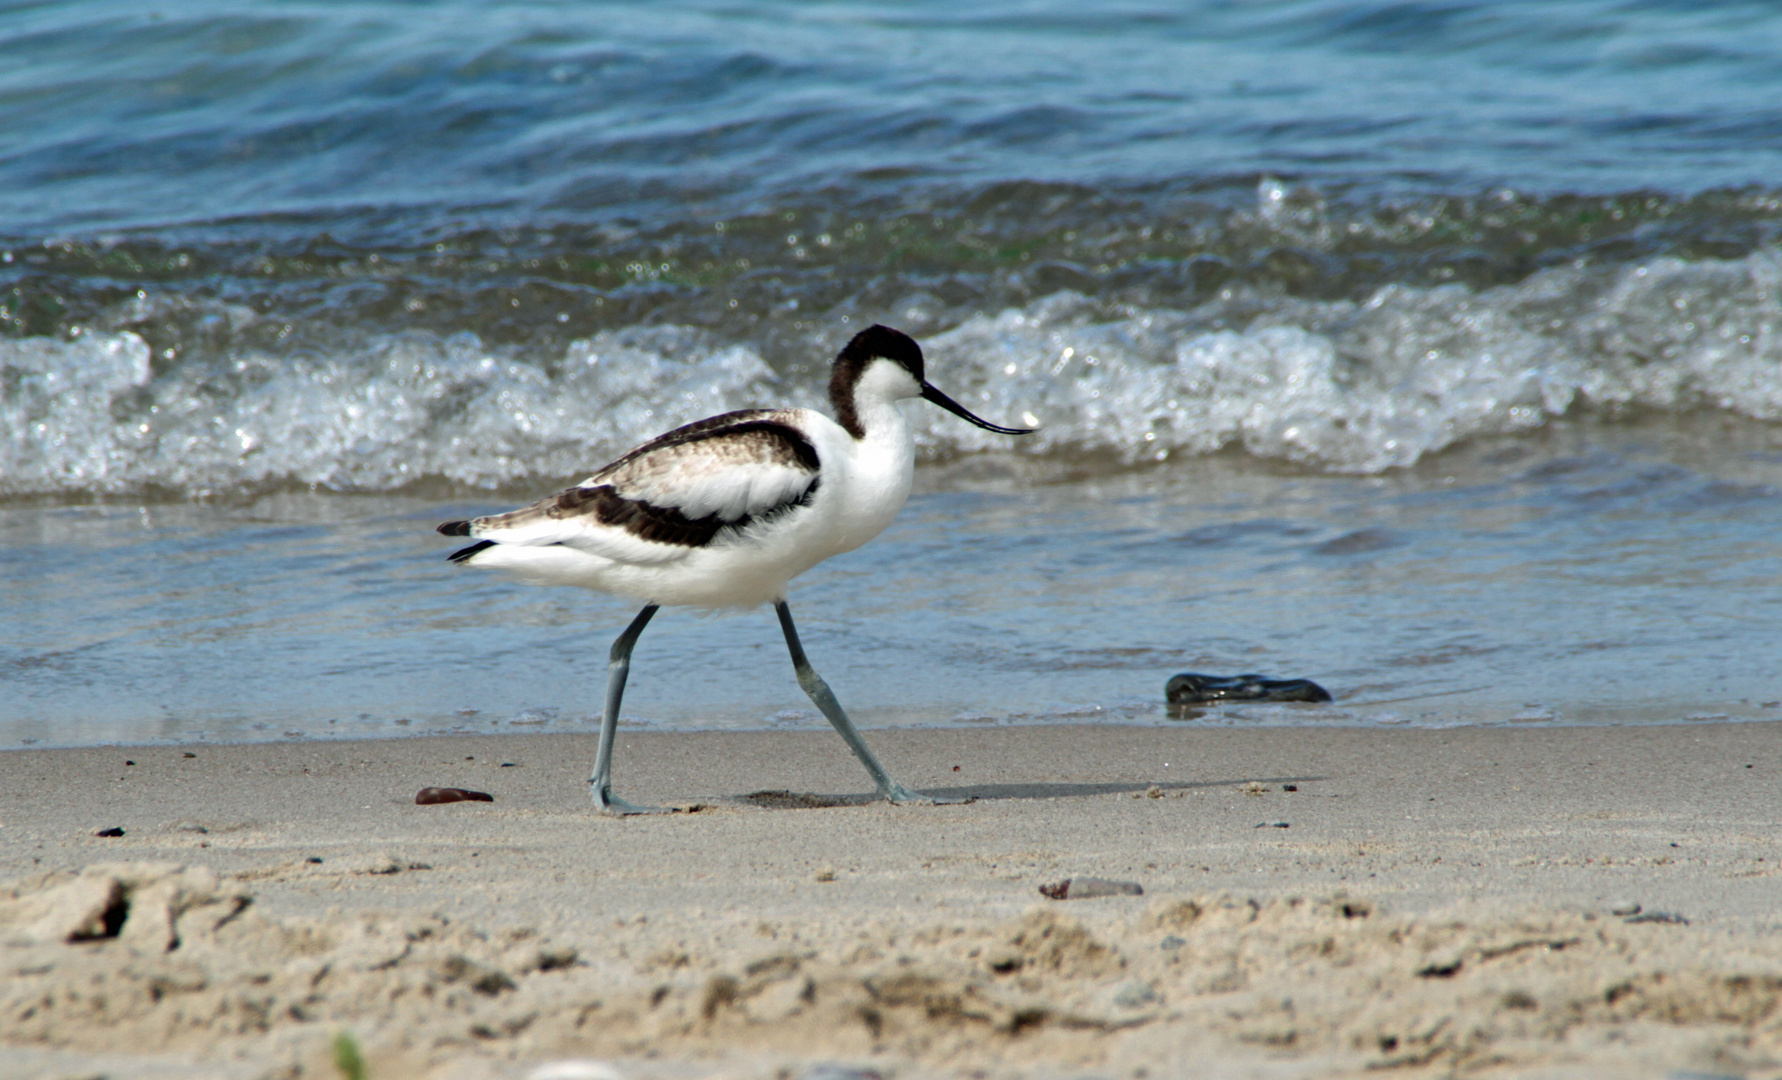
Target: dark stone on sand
pixel 1657 917
pixel 1189 688
pixel 113 831
pixel 1085 888
pixel 432 796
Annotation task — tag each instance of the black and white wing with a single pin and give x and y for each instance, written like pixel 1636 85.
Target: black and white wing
pixel 677 492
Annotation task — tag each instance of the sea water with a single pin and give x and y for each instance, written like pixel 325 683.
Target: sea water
pixel 1426 350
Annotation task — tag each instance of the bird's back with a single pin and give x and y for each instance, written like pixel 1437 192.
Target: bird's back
pixel 688 517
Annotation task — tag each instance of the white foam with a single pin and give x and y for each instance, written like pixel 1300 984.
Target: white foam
pixel 1344 386
pixel 85 416
pixel 57 415
pixel 1363 387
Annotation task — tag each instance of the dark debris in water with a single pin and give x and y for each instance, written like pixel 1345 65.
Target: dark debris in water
pixel 1190 688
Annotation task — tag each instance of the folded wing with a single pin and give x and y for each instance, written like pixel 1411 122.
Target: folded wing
pixel 683 490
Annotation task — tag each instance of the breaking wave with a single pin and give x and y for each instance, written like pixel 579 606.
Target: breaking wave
pixel 1354 386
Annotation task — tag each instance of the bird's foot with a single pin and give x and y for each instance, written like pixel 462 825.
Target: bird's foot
pixel 608 803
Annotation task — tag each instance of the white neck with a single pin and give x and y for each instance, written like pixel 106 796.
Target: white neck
pixel 880 467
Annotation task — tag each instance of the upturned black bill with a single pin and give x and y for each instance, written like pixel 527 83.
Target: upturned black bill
pixel 929 393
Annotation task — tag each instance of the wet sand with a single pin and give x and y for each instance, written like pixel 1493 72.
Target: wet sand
pixel 1573 902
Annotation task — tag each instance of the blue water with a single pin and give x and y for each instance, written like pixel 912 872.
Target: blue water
pixel 1427 349
pixel 402 116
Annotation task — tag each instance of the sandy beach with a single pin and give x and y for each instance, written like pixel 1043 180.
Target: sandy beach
pixel 1560 902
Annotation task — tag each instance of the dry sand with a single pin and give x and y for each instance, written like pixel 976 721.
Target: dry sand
pixel 1428 903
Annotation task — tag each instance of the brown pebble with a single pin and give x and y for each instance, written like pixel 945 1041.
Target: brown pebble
pixel 1085 888
pixel 188 753
pixel 113 831
pixel 429 796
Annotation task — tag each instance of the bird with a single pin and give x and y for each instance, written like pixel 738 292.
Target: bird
pixel 724 512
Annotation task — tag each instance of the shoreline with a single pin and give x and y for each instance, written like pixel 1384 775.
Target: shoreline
pixel 588 728
pixel 1444 847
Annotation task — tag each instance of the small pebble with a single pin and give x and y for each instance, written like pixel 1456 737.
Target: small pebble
pixel 113 831
pixel 430 796
pixel 190 826
pixel 1271 825
pixel 826 874
pixel 1085 888
pixel 1289 787
pixel 188 753
pixel 1626 907
pixel 316 859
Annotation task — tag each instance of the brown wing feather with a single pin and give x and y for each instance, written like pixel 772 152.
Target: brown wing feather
pixel 636 492
pixel 744 437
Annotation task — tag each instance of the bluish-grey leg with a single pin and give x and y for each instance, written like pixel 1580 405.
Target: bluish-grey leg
pixel 819 692
pixel 601 783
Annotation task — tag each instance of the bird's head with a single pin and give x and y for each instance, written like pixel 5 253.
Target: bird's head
pixel 887 363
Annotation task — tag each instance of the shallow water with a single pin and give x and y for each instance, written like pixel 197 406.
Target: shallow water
pixel 1519 581
pixel 1429 350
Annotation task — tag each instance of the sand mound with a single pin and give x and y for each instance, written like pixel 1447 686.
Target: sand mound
pixel 169 959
